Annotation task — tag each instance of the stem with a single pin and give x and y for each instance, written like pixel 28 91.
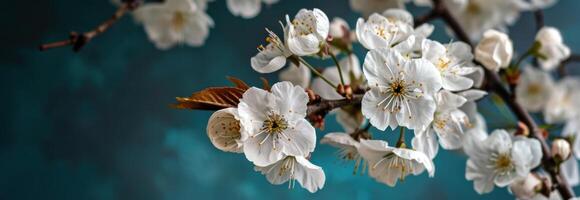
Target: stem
pixel 77 41
pixel 316 72
pixel 523 57
pixel 494 84
pixel 401 141
pixel 339 68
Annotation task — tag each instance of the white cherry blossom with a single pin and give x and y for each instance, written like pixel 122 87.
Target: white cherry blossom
pixel 495 50
pixel 381 32
pixel 500 160
pixel 174 22
pixel 564 103
pixel 294 168
pixel 454 62
pixel 224 130
pixel 526 188
pixel 447 128
pixel 388 164
pixel 347 147
pixel 247 8
pixel 401 91
pixel 552 47
pixel 533 89
pixel 275 124
pixel 307 32
pixel 272 57
pixel 477 16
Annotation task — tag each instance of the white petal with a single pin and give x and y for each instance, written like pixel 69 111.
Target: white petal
pixel 299 140
pixel 569 170
pixel 291 100
pixel 379 118
pixel 223 130
pixel 245 8
pixel 426 142
pixel 309 176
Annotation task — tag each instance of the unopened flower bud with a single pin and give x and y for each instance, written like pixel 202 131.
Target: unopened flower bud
pixel 560 149
pixel 522 129
pixel 526 188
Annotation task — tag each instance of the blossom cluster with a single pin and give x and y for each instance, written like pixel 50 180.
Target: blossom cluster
pixel 406 82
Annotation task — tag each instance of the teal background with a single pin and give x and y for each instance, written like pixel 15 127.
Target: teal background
pixel 96 124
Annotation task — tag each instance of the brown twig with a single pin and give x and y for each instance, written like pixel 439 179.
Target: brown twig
pixel 433 14
pixel 323 106
pixel 77 41
pixel 562 68
pixel 494 84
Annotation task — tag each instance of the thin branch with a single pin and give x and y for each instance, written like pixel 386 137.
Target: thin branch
pixel 324 106
pixel 78 41
pixel 494 84
pixel 562 68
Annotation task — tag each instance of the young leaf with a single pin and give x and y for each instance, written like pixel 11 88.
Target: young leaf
pixel 238 83
pixel 265 84
pixel 211 99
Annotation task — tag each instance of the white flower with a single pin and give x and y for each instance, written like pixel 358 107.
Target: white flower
pixel 367 7
pixel 224 130
pixel 552 47
pixel 448 125
pixel 350 66
pixel 347 147
pixel 561 149
pixel 497 160
pixel 495 50
pixel 526 188
pixel 297 75
pixel 401 91
pixel 388 164
pixel 294 168
pixel 307 32
pixel 380 31
pixel 477 16
pixel 454 62
pixel 272 57
pixel 174 22
pixel 275 123
pixel 247 8
pixel 533 89
pixel 564 103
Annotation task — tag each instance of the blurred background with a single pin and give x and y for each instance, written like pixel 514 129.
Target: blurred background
pixel 96 124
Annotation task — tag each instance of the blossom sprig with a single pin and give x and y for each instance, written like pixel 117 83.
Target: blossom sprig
pixel 408 82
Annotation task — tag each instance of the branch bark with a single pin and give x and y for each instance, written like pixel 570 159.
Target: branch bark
pixel 495 85
pixel 78 41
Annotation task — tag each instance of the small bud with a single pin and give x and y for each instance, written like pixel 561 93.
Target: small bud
pixel 348 91
pixel 526 188
pixel 560 150
pixel 522 130
pixel 341 90
pixel 311 95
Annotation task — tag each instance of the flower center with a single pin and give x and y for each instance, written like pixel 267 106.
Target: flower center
pixel 275 124
pixel 398 87
pixel 178 21
pixel 534 89
pixel 304 26
pixel 443 63
pixel 502 163
pixel 473 8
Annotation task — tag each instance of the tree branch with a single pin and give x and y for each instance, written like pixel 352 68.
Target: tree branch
pixel 494 84
pixel 78 41
pixel 322 107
